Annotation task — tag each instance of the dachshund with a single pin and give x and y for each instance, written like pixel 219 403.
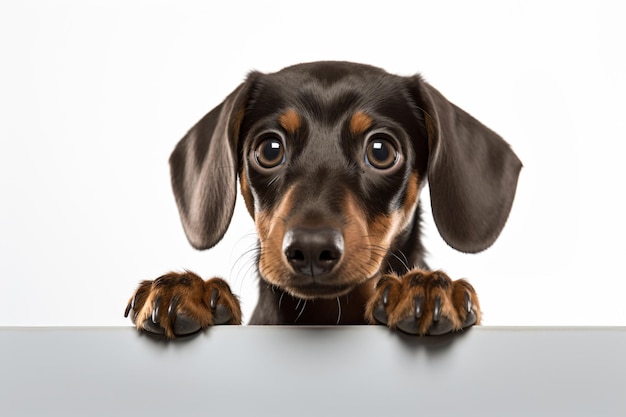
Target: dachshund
pixel 331 158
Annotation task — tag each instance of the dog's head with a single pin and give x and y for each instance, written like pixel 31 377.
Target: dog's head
pixel 331 158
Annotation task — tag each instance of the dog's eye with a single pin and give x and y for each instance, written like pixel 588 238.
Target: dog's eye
pixel 381 153
pixel 270 153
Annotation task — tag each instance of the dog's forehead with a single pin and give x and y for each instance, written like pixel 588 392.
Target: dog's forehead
pixel 329 90
pixel 330 72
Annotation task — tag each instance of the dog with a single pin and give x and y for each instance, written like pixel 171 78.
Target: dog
pixel 331 158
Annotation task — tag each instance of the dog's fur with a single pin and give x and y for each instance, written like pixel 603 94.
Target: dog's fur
pixel 331 158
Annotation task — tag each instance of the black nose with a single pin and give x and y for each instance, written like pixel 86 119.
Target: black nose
pixel 313 251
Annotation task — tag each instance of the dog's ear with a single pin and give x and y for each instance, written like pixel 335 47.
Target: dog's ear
pixel 204 167
pixel 472 173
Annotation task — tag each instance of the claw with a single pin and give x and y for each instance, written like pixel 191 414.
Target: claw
pixel 155 310
pixel 418 306
pixel 468 303
pixel 214 297
pixel 386 296
pixel 128 308
pixel 152 327
pixel 171 310
pixel 470 317
pixel 437 311
pixel 380 313
pixel 131 305
pixel 440 327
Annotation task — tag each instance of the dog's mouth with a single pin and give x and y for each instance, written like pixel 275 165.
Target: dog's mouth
pixel 329 286
pixel 314 290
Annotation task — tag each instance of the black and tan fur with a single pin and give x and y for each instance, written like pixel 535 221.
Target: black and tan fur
pixel 331 158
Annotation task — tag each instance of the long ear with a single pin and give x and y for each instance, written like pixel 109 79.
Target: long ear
pixel 472 173
pixel 204 166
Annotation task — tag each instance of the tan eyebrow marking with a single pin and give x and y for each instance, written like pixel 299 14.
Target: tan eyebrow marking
pixel 360 122
pixel 290 121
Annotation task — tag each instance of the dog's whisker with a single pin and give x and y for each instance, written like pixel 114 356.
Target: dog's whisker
pixel 403 256
pixel 244 256
pixel 280 300
pixel 383 252
pixel 338 310
pixel 250 235
pixel 273 180
pixel 250 272
pixel 245 264
pixel 404 264
pixel 301 311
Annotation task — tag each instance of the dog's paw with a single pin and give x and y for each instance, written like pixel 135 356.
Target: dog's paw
pixel 424 303
pixel 179 304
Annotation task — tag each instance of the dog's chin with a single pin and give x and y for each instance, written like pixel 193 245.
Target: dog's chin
pixel 318 291
pixel 328 286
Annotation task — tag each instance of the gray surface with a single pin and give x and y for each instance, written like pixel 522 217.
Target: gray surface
pixel 296 371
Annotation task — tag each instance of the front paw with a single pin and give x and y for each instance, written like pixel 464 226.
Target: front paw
pixel 178 304
pixel 422 302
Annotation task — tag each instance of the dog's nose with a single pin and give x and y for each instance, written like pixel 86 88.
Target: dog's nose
pixel 313 251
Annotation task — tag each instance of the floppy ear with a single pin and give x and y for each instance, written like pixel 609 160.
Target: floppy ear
pixel 472 173
pixel 204 166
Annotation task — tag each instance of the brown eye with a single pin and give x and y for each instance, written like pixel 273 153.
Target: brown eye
pixel 270 153
pixel 381 153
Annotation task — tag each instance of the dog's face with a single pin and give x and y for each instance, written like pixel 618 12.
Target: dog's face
pixel 331 157
pixel 331 161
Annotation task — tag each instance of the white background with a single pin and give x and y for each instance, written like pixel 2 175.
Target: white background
pixel 95 94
